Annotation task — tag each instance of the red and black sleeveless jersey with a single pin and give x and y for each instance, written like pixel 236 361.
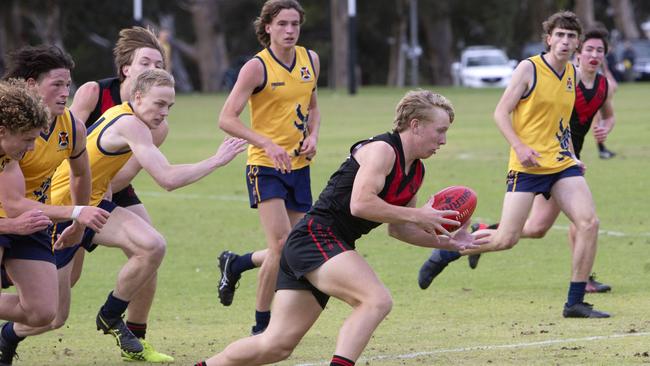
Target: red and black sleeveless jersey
pixel 333 204
pixel 588 102
pixel 109 96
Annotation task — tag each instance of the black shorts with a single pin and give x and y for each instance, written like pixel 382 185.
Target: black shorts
pixel 126 197
pixel 65 256
pixel 310 244
pixel 36 246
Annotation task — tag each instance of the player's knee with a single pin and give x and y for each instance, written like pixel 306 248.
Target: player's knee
pixel 506 241
pixel 277 349
pixel 154 247
pixel 41 316
pixel 589 225
pixel 59 321
pixel 536 232
pixel 380 303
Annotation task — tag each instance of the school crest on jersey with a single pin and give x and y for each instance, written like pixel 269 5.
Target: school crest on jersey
pixel 569 84
pixel 63 140
pixel 305 75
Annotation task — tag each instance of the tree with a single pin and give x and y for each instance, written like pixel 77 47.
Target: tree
pixel 340 43
pixel 624 19
pixel 436 21
pixel 584 9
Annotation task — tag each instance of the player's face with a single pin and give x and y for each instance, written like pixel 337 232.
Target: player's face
pixel 54 88
pixel 562 43
pixel 15 145
pixel 592 54
pixel 285 28
pixel 153 106
pixel 431 134
pixel 144 59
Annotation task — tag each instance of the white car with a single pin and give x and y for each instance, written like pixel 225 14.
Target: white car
pixel 483 66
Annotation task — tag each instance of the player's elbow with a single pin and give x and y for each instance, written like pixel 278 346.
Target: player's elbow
pixel 357 208
pixel 13 208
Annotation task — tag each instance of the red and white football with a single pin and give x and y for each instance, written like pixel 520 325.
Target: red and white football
pixel 456 198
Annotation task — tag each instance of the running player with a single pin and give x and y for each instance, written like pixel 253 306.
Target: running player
pixel 541 97
pixel 137 49
pixel 25 185
pixel 279 84
pixel 377 184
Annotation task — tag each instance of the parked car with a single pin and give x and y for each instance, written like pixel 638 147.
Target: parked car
pixel 532 49
pixel 483 66
pixel 639 49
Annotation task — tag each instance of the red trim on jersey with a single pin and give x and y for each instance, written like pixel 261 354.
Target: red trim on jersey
pixel 107 100
pixel 401 198
pixel 320 248
pixel 586 109
pixel 329 232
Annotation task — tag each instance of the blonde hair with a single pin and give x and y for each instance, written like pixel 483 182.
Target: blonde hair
pixel 21 108
pixel 269 11
pixel 130 40
pixel 150 78
pixel 417 104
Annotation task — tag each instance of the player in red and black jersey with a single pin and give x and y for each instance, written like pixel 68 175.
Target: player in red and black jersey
pixel 137 50
pixel 377 184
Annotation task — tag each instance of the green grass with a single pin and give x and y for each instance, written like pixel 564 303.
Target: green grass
pixel 513 298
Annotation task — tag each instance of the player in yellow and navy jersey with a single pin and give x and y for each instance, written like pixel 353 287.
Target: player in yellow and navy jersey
pixel 534 116
pixel 25 185
pixel 279 85
pixel 122 132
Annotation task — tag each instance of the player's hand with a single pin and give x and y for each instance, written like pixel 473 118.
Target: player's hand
pixel 29 222
pixel 431 220
pixel 93 217
pixel 230 147
pixel 281 159
pixel 600 133
pixel 527 156
pixel 70 236
pixel 581 165
pixel 463 240
pixel 308 148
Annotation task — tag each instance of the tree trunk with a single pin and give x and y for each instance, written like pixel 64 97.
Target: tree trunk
pixel 211 53
pixel 436 21
pixel 47 22
pixel 181 76
pixel 397 60
pixel 340 44
pixel 584 9
pixel 624 19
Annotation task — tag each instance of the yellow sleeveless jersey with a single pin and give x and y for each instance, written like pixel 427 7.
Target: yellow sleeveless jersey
pixel 50 150
pixel 279 107
pixel 103 164
pixel 541 119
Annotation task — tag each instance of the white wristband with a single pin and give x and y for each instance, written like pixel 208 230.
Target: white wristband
pixel 76 211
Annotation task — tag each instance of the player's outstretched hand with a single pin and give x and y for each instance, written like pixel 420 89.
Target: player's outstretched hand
pixel 230 147
pixel 463 240
pixel 29 222
pixel 93 217
pixel 432 220
pixel 70 236
pixel 527 156
pixel 281 159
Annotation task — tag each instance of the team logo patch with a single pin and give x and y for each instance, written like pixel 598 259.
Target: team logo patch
pixel 569 84
pixel 63 140
pixel 305 74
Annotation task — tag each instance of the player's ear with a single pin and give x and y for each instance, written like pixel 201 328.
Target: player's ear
pixel 415 123
pixel 125 70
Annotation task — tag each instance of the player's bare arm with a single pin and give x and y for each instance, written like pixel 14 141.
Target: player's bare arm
pixel 138 137
pixel 607 121
pixel 376 160
pixel 519 85
pixel 250 77
pixel 85 100
pixel 308 147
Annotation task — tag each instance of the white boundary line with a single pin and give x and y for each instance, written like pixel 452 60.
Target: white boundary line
pixel 486 348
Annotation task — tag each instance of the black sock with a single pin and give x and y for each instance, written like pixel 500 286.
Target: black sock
pixel 341 361
pixel 201 363
pixel 242 263
pixel 138 329
pixel 601 147
pixel 113 307
pixel 9 334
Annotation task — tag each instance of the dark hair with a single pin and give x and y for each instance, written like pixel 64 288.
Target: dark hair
pixel 32 62
pixel 269 11
pixel 21 108
pixel 596 33
pixel 563 19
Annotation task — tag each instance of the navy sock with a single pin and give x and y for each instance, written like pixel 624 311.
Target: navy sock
pixel 113 307
pixel 9 334
pixel 262 319
pixel 242 264
pixel 138 329
pixel 444 256
pixel 576 293
pixel 601 146
pixel 201 363
pixel 341 361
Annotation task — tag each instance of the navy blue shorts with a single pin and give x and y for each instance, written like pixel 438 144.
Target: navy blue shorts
pixel 265 183
pixel 126 197
pixel 65 256
pixel 36 246
pixel 539 183
pixel 310 244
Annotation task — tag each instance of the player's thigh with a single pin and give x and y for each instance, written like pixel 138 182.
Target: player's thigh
pixel 275 220
pixel 141 211
pixel 543 213
pixel 516 207
pixel 294 312
pixel 128 231
pixel 35 281
pixel 294 217
pixel 347 276
pixel 574 199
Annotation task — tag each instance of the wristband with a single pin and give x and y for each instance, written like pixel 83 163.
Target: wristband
pixel 76 211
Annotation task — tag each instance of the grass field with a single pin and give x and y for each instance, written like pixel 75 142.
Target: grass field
pixel 506 312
